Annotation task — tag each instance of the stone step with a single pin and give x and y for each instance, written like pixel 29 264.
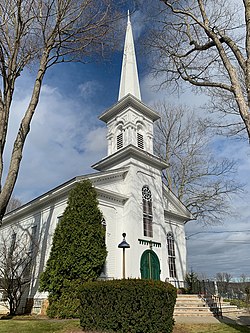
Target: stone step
pixel 193 309
pixel 3 308
pixel 189 300
pixel 188 296
pixel 184 305
pixel 195 314
pixel 229 308
pixel 194 305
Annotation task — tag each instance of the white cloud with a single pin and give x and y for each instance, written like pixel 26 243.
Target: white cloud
pixel 89 89
pixel 138 22
pixel 96 140
pixel 57 145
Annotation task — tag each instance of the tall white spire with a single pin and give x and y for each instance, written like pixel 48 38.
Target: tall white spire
pixel 129 83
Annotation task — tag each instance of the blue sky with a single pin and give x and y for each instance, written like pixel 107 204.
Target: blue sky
pixel 66 138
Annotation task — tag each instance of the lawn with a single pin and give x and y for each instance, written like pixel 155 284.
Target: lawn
pixel 210 328
pixel 72 326
pixel 39 326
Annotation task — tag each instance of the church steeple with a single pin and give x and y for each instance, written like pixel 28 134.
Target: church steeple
pixel 129 83
pixel 129 121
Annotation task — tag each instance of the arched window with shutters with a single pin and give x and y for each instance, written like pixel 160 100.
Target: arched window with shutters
pixel 147 212
pixel 171 255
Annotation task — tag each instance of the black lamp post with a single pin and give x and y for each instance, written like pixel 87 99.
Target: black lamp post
pixel 123 245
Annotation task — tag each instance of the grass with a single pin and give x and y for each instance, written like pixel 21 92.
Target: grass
pixel 39 326
pixel 72 326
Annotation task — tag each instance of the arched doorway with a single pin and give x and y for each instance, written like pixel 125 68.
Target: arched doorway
pixel 150 265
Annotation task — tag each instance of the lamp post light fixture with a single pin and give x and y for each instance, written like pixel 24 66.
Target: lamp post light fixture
pixel 123 245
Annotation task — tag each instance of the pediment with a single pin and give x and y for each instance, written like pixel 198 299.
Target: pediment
pixel 126 102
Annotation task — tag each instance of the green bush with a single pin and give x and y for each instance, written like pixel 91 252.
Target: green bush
pixel 124 306
pixel 237 302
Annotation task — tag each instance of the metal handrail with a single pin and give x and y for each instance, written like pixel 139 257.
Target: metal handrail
pixel 213 301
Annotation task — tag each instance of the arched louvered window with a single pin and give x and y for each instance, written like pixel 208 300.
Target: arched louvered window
pixel 140 139
pixel 171 255
pixel 119 138
pixel 147 212
pixel 140 142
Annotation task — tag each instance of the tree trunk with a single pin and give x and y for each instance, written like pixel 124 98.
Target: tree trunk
pixel 23 131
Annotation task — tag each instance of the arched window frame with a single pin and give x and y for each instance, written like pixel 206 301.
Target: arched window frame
pixel 171 255
pixel 147 211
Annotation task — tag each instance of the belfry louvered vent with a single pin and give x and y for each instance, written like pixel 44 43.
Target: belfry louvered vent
pixel 119 141
pixel 140 142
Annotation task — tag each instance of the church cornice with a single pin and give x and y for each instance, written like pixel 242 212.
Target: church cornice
pixel 126 102
pixel 61 191
pixel 128 152
pixel 180 212
pixel 177 216
pixel 115 197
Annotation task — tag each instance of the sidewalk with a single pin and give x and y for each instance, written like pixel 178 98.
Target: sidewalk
pixel 240 319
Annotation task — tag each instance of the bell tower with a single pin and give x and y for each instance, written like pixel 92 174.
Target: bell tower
pixel 129 121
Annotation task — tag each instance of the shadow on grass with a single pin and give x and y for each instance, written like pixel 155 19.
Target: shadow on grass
pixel 241 324
pixel 6 317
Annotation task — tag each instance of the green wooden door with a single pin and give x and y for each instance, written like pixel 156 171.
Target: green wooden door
pixel 150 265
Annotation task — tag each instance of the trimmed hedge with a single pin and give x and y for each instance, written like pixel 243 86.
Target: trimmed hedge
pixel 133 306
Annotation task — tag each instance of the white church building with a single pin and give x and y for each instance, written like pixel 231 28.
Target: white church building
pixel 131 194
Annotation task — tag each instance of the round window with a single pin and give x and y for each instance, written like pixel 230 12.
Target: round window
pixel 146 193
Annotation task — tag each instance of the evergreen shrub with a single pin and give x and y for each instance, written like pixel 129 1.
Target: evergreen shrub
pixel 67 306
pixel 78 251
pixel 123 306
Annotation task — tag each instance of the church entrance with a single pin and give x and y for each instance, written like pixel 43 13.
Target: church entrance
pixel 150 265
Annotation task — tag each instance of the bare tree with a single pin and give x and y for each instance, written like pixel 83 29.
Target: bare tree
pixel 13 203
pixel 207 44
pixel 223 280
pixel 243 278
pixel 202 181
pixel 17 252
pixel 42 33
